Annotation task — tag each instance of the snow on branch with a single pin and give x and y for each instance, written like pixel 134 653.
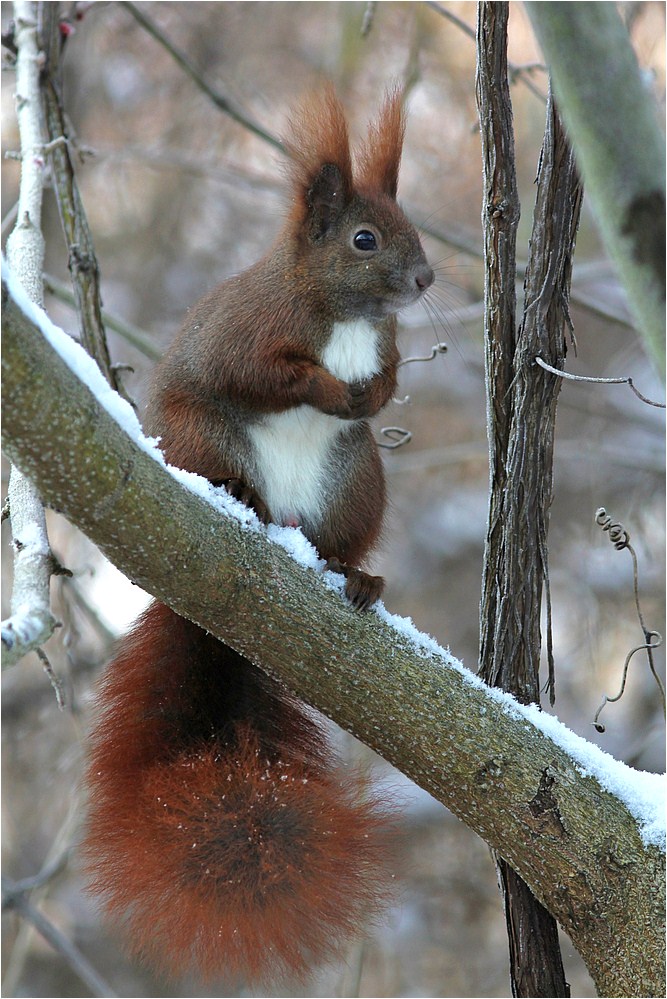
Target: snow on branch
pixel 547 800
pixel 643 794
pixel 31 621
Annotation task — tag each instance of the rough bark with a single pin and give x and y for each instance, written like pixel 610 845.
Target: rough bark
pixel 521 408
pixel 575 844
pixel 82 260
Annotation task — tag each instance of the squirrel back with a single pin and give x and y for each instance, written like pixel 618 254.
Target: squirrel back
pixel 224 835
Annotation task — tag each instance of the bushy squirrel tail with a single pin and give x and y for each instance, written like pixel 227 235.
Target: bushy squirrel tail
pixel 223 834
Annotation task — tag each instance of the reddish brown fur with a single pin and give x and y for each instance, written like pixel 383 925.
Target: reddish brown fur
pixel 380 158
pixel 223 834
pixel 318 134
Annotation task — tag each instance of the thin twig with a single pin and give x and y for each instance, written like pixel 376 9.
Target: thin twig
pixel 653 641
pixel 56 682
pixel 220 100
pixel 137 337
pixel 620 538
pixel 436 349
pixel 49 871
pixel 600 381
pixel 60 943
pixel 82 262
pixel 515 71
pixel 396 437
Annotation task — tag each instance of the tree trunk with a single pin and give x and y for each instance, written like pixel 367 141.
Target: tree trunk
pixel 521 410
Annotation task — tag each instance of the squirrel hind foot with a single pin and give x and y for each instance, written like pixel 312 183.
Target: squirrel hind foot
pixel 246 495
pixel 361 589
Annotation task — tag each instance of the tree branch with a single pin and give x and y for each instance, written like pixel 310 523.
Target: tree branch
pixel 221 101
pixel 31 621
pixel 512 774
pixel 15 898
pixel 612 123
pixel 82 260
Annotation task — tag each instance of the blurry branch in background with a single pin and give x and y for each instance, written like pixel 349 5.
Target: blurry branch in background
pixel 15 897
pixel 82 261
pixel 369 15
pixel 220 100
pixel 604 102
pixel 24 897
pixel 56 682
pixel 31 621
pixel 137 337
pixel 515 72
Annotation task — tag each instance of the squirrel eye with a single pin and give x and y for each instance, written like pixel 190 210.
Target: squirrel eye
pixel 364 240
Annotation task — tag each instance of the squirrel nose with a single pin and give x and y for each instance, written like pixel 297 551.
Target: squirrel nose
pixel 424 277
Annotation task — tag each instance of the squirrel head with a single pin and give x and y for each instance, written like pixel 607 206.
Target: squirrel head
pixel 355 249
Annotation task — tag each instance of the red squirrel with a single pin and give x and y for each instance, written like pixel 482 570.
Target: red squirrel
pixel 223 834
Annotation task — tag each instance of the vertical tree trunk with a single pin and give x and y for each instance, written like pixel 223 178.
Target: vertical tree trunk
pixel 521 409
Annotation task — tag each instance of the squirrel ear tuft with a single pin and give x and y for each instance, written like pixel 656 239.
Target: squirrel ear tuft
pixel 320 166
pixel 380 157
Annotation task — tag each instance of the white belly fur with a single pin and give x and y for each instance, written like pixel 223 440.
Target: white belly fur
pixel 292 447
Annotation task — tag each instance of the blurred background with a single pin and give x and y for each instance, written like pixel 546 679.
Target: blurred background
pixel 178 197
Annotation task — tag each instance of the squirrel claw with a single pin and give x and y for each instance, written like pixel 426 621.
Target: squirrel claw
pixel 361 589
pixel 240 491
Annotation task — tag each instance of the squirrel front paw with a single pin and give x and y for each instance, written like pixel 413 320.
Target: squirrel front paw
pixel 347 401
pixel 247 495
pixel 361 589
pixel 360 400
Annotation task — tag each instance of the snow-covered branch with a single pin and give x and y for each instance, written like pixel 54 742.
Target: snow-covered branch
pixel 31 621
pixel 584 831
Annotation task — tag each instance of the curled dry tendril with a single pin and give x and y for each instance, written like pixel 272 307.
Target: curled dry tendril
pixel 620 538
pixel 396 437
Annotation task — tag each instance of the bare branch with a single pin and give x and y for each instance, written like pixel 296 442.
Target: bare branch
pixel 82 260
pixel 598 381
pixel 220 100
pixel 14 897
pixel 31 621
pixel 521 417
